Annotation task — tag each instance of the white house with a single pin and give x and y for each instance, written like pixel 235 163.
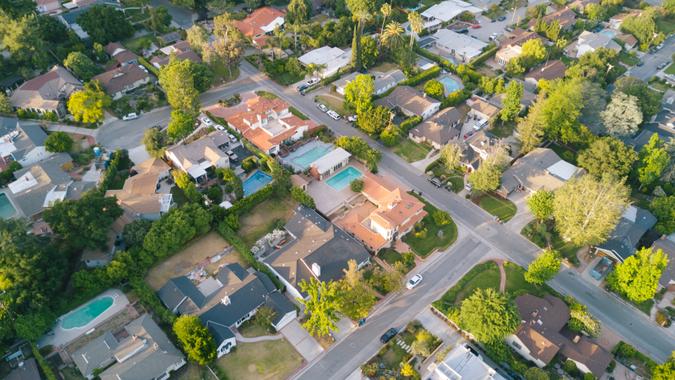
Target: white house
pixel 332 59
pixel 460 46
pixel 438 14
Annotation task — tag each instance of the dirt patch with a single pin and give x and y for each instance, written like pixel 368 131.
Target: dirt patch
pixel 197 253
pixel 263 218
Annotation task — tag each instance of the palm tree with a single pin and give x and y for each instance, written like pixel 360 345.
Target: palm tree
pixel 386 12
pixel 361 12
pixel 416 25
pixel 391 35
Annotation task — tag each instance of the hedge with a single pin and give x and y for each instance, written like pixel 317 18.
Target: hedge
pixel 148 66
pixel 446 64
pixel 409 123
pixel 422 77
pixel 150 300
pixel 46 369
pixel 485 55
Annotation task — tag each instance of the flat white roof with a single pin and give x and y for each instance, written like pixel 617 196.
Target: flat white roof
pixel 279 21
pixel 461 43
pixel 450 9
pixel 562 169
pixel 332 57
pixel 22 183
pixel 328 161
pixel 462 364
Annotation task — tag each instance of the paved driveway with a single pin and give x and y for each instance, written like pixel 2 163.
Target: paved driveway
pixel 307 346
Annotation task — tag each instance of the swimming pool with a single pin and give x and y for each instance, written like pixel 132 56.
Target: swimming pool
pixel 344 178
pixel 255 182
pixel 87 313
pixel 608 33
pixel 304 160
pixel 450 84
pixel 6 208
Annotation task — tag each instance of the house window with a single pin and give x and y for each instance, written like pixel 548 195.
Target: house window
pixel 516 345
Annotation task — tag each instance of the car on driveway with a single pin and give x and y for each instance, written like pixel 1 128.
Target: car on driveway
pixel 475 26
pixel 130 116
pixel 414 281
pixel 206 120
pixel 333 114
pixel 501 18
pixel 322 107
pixel 351 119
pixel 302 87
pixel 662 66
pixel 388 335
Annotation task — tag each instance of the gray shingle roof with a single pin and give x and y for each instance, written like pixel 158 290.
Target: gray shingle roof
pixel 50 174
pixel 177 290
pixel 627 234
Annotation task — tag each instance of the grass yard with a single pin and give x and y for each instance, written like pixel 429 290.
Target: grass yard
pixel 139 43
pixel 453 178
pixel 503 129
pixel 456 182
pixel 198 251
pixel 335 102
pixel 384 67
pixel 666 25
pixel 502 208
pixel 250 329
pixel 628 59
pixel 268 360
pixel 391 256
pixel 544 235
pixel 192 371
pixel 565 153
pixel 297 113
pixel 264 218
pixel 411 151
pixel 671 69
pixel 427 236
pixel 71 373
pixel 223 74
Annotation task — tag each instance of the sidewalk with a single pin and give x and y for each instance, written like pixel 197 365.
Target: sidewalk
pixel 307 346
pixel 70 129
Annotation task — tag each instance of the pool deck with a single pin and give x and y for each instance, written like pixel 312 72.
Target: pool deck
pixel 288 160
pixel 59 337
pixel 327 199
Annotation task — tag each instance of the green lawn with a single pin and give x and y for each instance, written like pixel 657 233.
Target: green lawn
pixel 427 236
pixel 223 74
pixel 268 360
pixel 454 178
pixel 671 69
pixel 250 329
pixel 544 235
pixel 666 25
pixel 456 182
pixel 628 59
pixel 391 256
pixel 502 208
pixel 565 153
pixel 139 43
pixel 501 129
pixel 297 113
pixel 334 102
pixel 411 151
pixel 264 218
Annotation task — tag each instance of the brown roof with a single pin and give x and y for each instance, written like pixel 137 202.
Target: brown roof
pixel 481 105
pixel 45 91
pixel 138 194
pixel 181 50
pixel 518 37
pixel 121 78
pixel 628 39
pixel 253 23
pixel 439 128
pixel 565 17
pixel 407 98
pixel 549 71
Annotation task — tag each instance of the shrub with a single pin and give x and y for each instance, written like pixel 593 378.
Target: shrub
pixel 58 142
pixel 249 163
pixel 422 77
pixel 302 197
pixel 215 194
pixel 441 217
pixel 409 123
pixel 434 89
pixel 356 185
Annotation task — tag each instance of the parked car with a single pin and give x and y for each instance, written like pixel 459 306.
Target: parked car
pixel 351 119
pixel 312 81
pixel 219 127
pixel 493 36
pixel 640 63
pixel 659 46
pixel 206 120
pixel 233 156
pixel 468 187
pixel 475 26
pixel 388 335
pixel 414 281
pixel 435 181
pixel 302 87
pixel 130 116
pixel 322 107
pixel 501 18
pixel 662 66
pixel 463 31
pixel 333 114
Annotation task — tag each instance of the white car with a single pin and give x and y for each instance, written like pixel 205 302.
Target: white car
pixel 414 281
pixel 351 119
pixel 312 81
pixel 130 116
pixel 334 115
pixel 232 137
pixel 206 121
pixel 322 107
pixel 219 127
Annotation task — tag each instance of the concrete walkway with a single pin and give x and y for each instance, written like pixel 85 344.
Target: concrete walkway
pixel 70 129
pixel 502 275
pixel 263 338
pixel 304 343
pixel 438 327
pixel 422 164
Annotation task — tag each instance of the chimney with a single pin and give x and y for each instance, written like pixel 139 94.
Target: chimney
pixel 225 301
pixel 576 339
pixel 316 268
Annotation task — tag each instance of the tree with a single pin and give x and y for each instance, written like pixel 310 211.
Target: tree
pixel 423 343
pixel 607 155
pixel 488 316
pixel 649 100
pixel 533 52
pixel 359 93
pixel 87 105
pixel 596 66
pixel 81 65
pixel 643 27
pixel 134 232
pixel 373 119
pixel 361 11
pixel 416 26
pixel 530 130
pixel 177 80
pixel 20 36
pixel 392 35
pixel 232 182
pixel 407 370
pixel 298 11
pixel 356 185
pixel 197 37
pixel 5 104
pixel 84 223
pixel 540 204
pixel 321 306
pixel 595 12
pixel 434 89
pixel 638 276
pixel 155 141
pixel 184 182
pixel 666 370
pixel 486 178
pixel 622 117
pixel 654 159
pixel 553 31
pixel 58 142
pixel 17 8
pixel 195 339
pixel 586 209
pixel 594 102
pixel 385 10
pixel 451 154
pixel 391 135
pixel 543 268
pixel 369 52
pixel 511 109
pixel 356 298
pixel 663 209
pixel 535 373
pixel 180 125
pixel 228 45
pixel 105 24
pixel 159 20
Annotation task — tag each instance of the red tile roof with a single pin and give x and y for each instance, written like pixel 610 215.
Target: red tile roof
pixel 253 23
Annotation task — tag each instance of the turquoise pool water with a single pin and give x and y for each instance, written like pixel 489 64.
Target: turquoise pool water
pixel 344 178
pixel 304 160
pixel 87 313
pixel 255 182
pixel 608 32
pixel 451 85
pixel 6 208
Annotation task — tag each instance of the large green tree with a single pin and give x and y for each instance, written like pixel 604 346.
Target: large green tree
pixel 540 204
pixel 81 65
pixel 665 371
pixel 362 11
pixel 84 223
pixel 155 141
pixel 359 93
pixel 321 305
pixel 159 20
pixel 196 340
pixel 177 80
pixel 638 276
pixel 181 124
pixel 650 100
pixel 58 142
pixel 654 158
pixel 373 120
pixel 587 209
pixel 356 297
pixel 622 117
pixel 451 154
pixel 20 36
pixel 607 155
pixel 5 104
pixel 511 109
pixel 544 267
pixel 105 24
pixel 488 315
pixel 87 105
pixel 664 210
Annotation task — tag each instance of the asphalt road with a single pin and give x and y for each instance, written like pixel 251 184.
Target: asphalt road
pixel 651 61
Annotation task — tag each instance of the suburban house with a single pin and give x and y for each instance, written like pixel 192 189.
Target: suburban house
pixel 312 247
pixel 507 53
pixel 383 82
pixel 463 363
pixel 200 157
pixel 24 144
pixel 386 213
pixel 616 20
pixel 25 370
pixel 139 196
pixel 540 169
pixel 330 163
pixel 547 71
pixel 181 50
pixel 139 350
pixel 629 41
pixel 565 17
pixel 40 185
pixel 329 59
pixel 226 300
pixel 517 37
pixel 667 245
pixel 47 92
pixel 478 147
pixel 267 123
pixel 590 42
pixel 121 55
pixel 437 15
pixel 125 78
pixel 625 238
pixel 440 129
pixel 580 5
pixel 458 46
pixel 480 112
pixel 260 23
pixel 48 6
pixel 542 335
pixel 411 102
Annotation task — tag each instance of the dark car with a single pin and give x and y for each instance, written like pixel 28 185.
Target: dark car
pixel 388 335
pixel 463 31
pixel 501 18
